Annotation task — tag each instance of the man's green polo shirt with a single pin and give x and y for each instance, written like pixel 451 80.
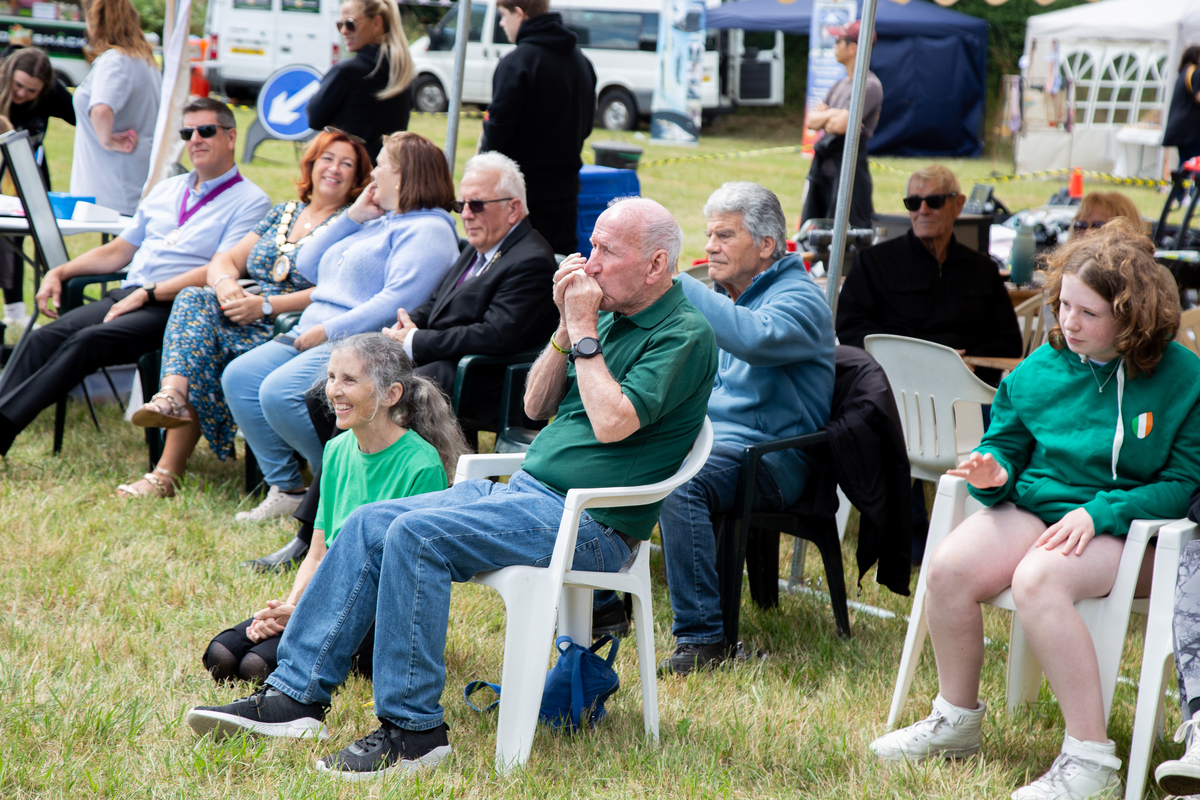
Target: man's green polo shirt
pixel 665 358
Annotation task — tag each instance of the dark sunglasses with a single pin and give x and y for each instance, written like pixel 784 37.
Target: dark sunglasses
pixel 346 25
pixel 340 132
pixel 205 131
pixel 477 206
pixel 934 201
pixel 1083 224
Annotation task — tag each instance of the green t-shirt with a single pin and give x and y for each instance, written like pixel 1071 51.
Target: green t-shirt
pixel 665 358
pixel 351 478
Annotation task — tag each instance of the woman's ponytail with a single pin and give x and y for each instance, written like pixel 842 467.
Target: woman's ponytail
pixel 393 49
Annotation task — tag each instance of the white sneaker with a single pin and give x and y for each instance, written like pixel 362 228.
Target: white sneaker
pixel 1182 777
pixel 275 505
pixel 16 317
pixel 1082 770
pixel 949 732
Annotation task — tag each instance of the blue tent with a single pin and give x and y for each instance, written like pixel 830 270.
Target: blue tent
pixel 931 61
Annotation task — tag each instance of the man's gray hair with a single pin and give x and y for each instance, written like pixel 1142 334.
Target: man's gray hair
pixel 762 215
pixel 512 180
pixel 660 231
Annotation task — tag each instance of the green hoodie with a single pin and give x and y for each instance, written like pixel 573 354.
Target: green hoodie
pixel 1059 437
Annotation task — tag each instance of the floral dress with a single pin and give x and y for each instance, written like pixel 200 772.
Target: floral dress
pixel 200 340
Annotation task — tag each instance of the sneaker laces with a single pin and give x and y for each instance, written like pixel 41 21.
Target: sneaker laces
pixel 369 742
pixel 1057 780
pixel 1190 731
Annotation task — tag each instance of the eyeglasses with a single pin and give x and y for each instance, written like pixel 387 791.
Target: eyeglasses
pixel 346 25
pixel 1083 224
pixel 340 132
pixel 934 201
pixel 477 206
pixel 205 131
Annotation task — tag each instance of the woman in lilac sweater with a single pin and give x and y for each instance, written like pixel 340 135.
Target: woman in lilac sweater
pixel 388 250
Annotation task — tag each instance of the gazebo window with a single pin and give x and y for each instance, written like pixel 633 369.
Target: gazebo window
pixel 1116 89
pixel 1079 68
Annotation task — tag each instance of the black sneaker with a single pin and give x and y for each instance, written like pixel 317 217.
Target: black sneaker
pixel 388 750
pixel 612 618
pixel 689 658
pixel 267 712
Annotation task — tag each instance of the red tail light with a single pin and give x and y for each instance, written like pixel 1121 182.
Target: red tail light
pixel 212 47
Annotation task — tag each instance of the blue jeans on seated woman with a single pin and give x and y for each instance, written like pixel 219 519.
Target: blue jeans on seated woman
pixel 265 390
pixel 393 562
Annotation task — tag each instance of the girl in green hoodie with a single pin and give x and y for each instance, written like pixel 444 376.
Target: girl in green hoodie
pixel 1097 429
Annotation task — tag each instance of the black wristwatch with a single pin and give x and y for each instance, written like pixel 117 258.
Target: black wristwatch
pixel 148 287
pixel 586 347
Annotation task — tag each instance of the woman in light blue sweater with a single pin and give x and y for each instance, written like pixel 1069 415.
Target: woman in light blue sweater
pixel 389 250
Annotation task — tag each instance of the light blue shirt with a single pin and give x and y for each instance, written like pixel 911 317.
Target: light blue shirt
pixel 216 227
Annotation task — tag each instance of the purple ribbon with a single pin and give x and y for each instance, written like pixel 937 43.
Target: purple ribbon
pixel 186 213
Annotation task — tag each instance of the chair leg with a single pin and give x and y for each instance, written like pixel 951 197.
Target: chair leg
pixel 762 565
pixel 799 551
pixel 154 446
pixel 113 387
pixel 731 555
pixel 831 555
pixel 1024 670
pixel 60 422
pixel 254 476
pixel 575 615
pixel 643 627
pixel 87 396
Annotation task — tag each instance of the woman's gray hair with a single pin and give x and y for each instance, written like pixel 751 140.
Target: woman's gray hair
pixel 659 231
pixel 762 215
pixel 422 407
pixel 512 180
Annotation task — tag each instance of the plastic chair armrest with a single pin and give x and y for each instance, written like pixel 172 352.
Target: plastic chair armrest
pixel 488 465
pixel 73 289
pixel 752 454
pixel 285 321
pixel 467 362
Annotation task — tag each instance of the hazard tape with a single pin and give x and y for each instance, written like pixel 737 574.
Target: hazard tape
pixel 461 114
pixel 721 156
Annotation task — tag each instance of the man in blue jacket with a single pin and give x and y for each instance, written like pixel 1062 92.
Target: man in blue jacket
pixel 774 380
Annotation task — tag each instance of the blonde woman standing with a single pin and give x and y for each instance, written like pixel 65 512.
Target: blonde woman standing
pixel 367 96
pixel 116 105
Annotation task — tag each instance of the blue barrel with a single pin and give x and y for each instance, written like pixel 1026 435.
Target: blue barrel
pixel 597 187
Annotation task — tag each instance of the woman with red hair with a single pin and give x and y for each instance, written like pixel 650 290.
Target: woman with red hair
pixel 210 326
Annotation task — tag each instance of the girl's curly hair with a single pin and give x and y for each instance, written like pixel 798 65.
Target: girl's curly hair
pixel 1117 263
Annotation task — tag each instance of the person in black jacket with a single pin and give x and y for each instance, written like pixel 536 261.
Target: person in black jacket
pixel 928 286
pixel 30 94
pixel 1183 118
pixel 497 299
pixel 369 95
pixel 542 109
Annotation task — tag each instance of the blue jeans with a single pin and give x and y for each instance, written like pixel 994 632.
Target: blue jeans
pixel 393 562
pixel 689 543
pixel 265 391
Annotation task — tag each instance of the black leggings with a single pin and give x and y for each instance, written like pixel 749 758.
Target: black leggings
pixel 232 656
pixel 12 272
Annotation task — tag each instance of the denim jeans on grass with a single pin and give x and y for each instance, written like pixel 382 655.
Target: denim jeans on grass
pixel 392 563
pixel 265 390
pixel 689 544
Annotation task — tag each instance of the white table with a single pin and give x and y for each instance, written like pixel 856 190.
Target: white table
pixel 19 226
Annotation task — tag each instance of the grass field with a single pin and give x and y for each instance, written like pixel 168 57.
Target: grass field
pixel 108 605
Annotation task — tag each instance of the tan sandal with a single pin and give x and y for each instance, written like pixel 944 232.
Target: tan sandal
pixel 151 416
pixel 158 487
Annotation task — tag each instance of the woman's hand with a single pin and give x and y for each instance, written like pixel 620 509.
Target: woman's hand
pixel 270 621
pixel 981 471
pixel 311 338
pixel 244 310
pixel 228 291
pixel 123 141
pixel 1073 531
pixel 365 208
pixel 131 302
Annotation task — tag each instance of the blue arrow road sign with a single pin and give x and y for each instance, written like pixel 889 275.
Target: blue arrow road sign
pixel 283 101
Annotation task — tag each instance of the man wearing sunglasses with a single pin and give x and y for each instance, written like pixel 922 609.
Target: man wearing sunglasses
pixel 175 232
pixel 928 286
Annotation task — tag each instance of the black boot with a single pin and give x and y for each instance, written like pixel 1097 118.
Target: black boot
pixel 283 559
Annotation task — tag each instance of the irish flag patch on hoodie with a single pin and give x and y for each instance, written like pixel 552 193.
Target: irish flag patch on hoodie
pixel 1143 424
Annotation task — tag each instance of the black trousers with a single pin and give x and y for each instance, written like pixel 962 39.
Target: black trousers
pixel 823 178
pixel 553 212
pixel 12 270
pixel 60 355
pixel 326 427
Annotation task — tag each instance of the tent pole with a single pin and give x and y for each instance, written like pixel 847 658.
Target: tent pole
pixel 862 61
pixel 460 59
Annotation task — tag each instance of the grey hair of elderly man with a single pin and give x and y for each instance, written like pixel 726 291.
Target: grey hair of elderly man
pixel 761 213
pixel 510 180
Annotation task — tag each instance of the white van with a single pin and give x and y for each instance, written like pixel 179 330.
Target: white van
pixel 253 38
pixel 620 38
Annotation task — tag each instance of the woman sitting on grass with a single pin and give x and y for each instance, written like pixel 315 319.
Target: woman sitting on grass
pixel 405 442
pixel 1099 429
pixel 210 326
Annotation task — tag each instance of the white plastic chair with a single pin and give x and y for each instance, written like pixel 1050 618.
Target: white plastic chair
pixel 1107 618
pixel 1158 662
pixel 928 380
pixel 533 596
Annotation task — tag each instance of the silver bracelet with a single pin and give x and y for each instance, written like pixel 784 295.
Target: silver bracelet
pixel 218 280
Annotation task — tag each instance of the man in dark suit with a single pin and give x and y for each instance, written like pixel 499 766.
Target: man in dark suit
pixel 497 299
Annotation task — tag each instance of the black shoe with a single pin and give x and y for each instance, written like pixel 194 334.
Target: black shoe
pixel 689 658
pixel 267 712
pixel 283 559
pixel 388 750
pixel 610 619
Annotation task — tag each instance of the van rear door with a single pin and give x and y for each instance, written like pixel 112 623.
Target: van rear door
pixel 304 33
pixel 477 75
pixel 247 43
pixel 756 68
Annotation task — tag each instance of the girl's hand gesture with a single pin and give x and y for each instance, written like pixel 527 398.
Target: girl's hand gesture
pixel 981 471
pixel 1073 531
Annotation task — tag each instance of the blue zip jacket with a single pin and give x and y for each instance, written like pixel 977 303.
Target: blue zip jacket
pixel 776 366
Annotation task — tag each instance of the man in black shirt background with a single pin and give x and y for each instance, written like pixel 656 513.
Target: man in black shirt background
pixel 543 106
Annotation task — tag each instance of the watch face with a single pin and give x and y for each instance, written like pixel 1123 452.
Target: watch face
pixel 588 347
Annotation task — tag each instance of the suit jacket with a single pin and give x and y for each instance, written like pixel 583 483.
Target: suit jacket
pixel 507 309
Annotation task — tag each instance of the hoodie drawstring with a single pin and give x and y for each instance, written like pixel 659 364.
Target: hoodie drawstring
pixel 1119 436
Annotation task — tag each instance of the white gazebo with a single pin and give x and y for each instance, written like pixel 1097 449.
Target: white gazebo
pixel 1119 57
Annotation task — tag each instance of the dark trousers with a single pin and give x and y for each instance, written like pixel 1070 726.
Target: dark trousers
pixel 823 178
pixel 61 354
pixel 326 427
pixel 12 270
pixel 553 212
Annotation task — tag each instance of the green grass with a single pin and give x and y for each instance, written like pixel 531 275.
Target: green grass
pixel 108 605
